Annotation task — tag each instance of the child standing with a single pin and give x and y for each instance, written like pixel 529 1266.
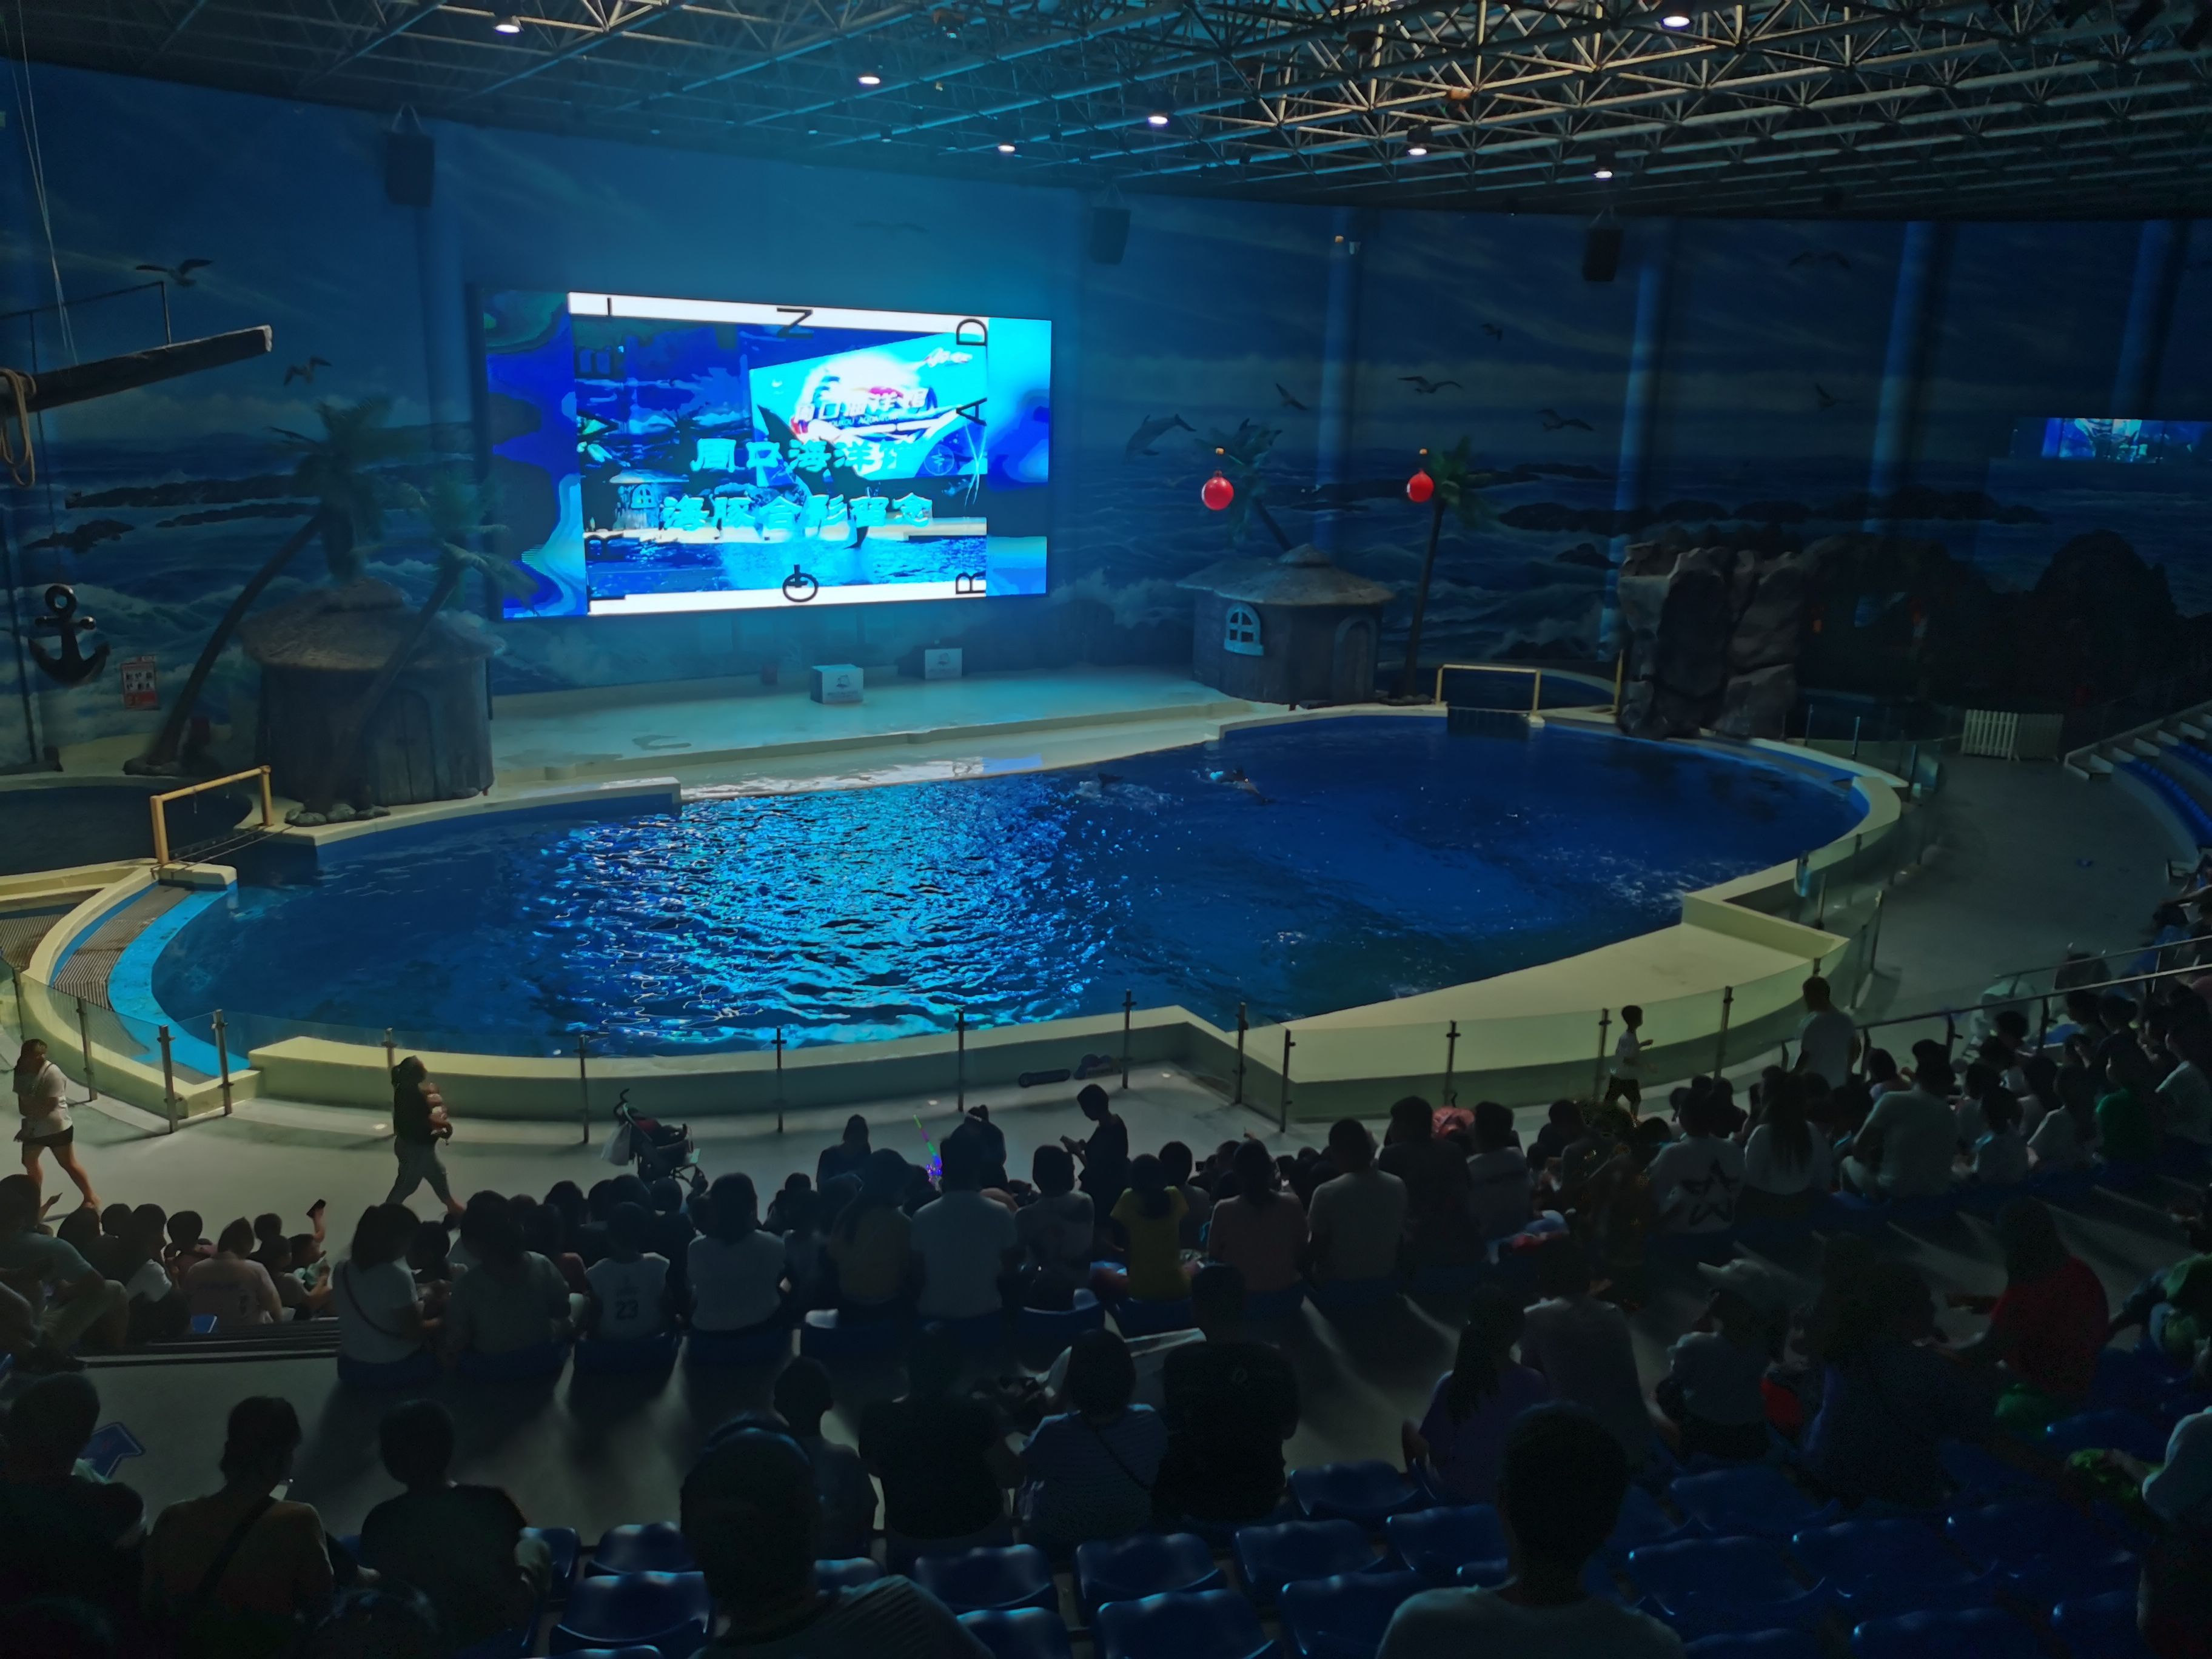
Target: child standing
pixel 1627 1081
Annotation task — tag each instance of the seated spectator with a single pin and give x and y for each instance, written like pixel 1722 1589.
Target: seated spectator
pixel 670 1234
pixel 185 1247
pixel 1229 1403
pixel 67 1297
pixel 1090 1473
pixel 2001 1154
pixel 985 1142
pixel 753 1524
pixel 2175 1604
pixel 1560 1494
pixel 629 1284
pixel 2047 1330
pixel 2186 1092
pixel 1881 1074
pixel 1562 1126
pixel 2126 1132
pixel 2174 1308
pixel 1260 1232
pixel 848 1157
pixel 236 1290
pixel 1712 1399
pixel 462 1546
pixel 511 1298
pixel 1435 1175
pixel 1198 1203
pixel 803 1399
pixel 1148 1220
pixel 1359 1222
pixel 736 1269
pixel 1695 1180
pixel 1498 1180
pixel 1787 1167
pixel 1904 1149
pixel 2067 1137
pixel 1888 1399
pixel 63 1532
pixel 807 1247
pixel 379 1308
pixel 963 1243
pixel 868 1246
pixel 1462 1436
pixel 388 1621
pixel 240 1573
pixel 941 1457
pixel 159 1312
pixel 1582 1348
pixel 792 1199
pixel 543 1233
pixel 1055 1230
pixel 110 1250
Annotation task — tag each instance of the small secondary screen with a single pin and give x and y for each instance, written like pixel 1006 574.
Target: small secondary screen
pixel 660 455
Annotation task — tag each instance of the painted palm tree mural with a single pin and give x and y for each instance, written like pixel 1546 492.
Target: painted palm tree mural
pixel 1455 487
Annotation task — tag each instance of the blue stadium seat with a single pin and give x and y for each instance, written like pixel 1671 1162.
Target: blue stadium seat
pixel 2119 1430
pixel 563 1547
pixel 1962 1633
pixel 1878 1567
pixel 1136 1317
pixel 2136 1378
pixel 740 1347
pixel 1210 1624
pixel 2064 1184
pixel 595 1357
pixel 533 1364
pixel 1062 1325
pixel 1146 1563
pixel 990 1580
pixel 1643 1521
pixel 824 1336
pixel 1221 1536
pixel 1983 1479
pixel 2125 1174
pixel 1267 1306
pixel 1704 1586
pixel 648 1547
pixel 1597 1577
pixel 1344 1617
pixel 1756 1499
pixel 1757 1644
pixel 2048 1550
pixel 1024 1633
pixel 1364 1491
pixel 507 1645
pixel 849 1574
pixel 662 1610
pixel 2101 1626
pixel 1436 1543
pixel 1345 1295
pixel 1272 1557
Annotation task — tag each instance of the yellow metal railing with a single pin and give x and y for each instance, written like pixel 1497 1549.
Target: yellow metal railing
pixel 1537 687
pixel 158 805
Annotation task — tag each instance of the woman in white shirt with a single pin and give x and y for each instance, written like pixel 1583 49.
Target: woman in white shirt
pixel 1787 1168
pixel 42 1102
pixel 2000 1156
pixel 2066 1138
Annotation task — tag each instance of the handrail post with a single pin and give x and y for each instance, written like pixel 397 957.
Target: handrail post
pixel 1439 698
pixel 1820 905
pixel 1282 1105
pixel 1451 1058
pixel 1243 1024
pixel 1720 1042
pixel 168 1078
pixel 1536 696
pixel 584 1084
pixel 391 1054
pixel 1597 1070
pixel 161 832
pixel 1950 1032
pixel 1128 1006
pixel 268 803
pixel 1857 722
pixel 1874 935
pixel 223 1058
pixel 1620 674
pixel 960 1057
pixel 84 1039
pixel 2043 1029
pixel 778 1079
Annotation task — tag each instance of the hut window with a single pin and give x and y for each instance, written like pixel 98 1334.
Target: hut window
pixel 1241 636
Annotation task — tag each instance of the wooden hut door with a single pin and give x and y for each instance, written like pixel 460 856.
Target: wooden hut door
pixel 1352 671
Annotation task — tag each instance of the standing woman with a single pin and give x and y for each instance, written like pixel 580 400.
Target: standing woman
pixel 419 1124
pixel 42 1098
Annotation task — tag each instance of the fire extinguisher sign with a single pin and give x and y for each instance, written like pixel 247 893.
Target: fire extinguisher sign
pixel 140 689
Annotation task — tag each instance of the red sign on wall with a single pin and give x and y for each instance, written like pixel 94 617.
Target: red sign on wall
pixel 140 688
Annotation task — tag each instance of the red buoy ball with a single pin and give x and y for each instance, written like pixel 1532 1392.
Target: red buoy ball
pixel 1421 487
pixel 1217 493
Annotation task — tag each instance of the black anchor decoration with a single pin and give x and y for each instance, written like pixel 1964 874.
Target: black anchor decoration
pixel 73 667
pixel 798 586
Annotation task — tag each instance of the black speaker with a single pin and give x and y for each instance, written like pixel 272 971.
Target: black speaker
pixel 410 169
pixel 1110 234
pixel 1601 252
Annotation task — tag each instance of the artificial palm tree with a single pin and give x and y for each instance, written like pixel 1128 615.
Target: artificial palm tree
pixel 1458 491
pixel 1242 455
pixel 457 512
pixel 339 471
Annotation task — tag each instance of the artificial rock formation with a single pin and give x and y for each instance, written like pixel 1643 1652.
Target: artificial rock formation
pixel 1712 638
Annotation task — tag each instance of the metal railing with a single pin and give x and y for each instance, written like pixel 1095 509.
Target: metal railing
pixel 158 806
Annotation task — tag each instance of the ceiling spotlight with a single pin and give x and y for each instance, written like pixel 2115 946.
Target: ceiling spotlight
pixel 1674 19
pixel 869 78
pixel 1604 167
pixel 507 26
pixel 1157 119
pixel 2145 13
pixel 1005 148
pixel 1419 146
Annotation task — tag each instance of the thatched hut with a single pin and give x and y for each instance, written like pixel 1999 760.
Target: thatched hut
pixel 430 740
pixel 1292 630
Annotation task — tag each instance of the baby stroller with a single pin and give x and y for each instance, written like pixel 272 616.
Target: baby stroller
pixel 657 1149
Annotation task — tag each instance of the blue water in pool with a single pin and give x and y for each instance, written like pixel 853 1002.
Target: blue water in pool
pixel 1380 857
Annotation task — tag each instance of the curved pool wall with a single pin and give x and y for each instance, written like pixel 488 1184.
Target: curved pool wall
pixel 1521 1037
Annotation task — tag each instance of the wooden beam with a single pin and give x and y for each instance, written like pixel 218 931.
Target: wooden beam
pixel 107 375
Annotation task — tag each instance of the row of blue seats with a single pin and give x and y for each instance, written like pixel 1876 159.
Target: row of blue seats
pixel 2193 816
